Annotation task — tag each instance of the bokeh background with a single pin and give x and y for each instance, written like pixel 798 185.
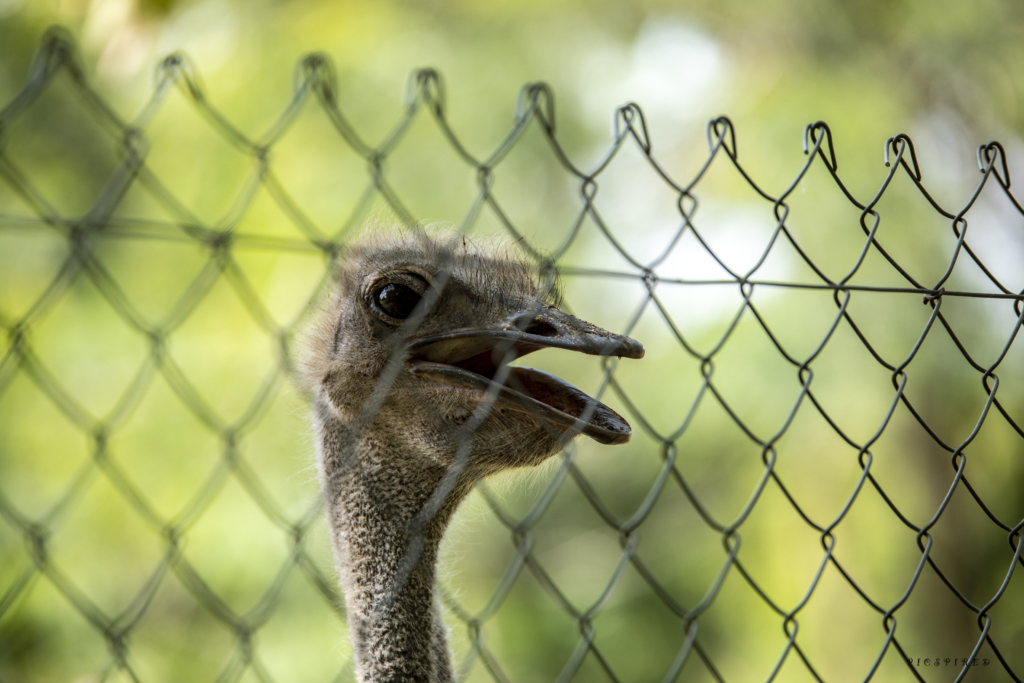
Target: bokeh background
pixel 242 595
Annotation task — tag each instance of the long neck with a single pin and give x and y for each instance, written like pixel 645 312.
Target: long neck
pixel 373 495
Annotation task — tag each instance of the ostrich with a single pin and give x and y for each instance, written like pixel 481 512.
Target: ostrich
pixel 414 402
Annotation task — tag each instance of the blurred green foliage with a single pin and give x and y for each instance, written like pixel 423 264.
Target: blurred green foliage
pixel 940 71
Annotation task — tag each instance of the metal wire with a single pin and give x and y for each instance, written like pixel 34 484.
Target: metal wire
pixel 316 86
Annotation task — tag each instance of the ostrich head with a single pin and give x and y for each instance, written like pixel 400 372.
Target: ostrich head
pixel 415 401
pixel 420 333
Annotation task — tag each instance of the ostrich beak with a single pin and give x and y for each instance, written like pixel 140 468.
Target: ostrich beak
pixel 471 359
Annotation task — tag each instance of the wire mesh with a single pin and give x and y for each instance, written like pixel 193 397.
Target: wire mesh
pixel 990 651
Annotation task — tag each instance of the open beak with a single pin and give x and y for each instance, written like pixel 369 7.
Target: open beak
pixel 471 359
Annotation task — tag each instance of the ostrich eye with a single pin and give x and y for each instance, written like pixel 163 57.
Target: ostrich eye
pixel 397 300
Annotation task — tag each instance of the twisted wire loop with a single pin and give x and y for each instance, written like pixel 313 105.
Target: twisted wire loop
pixel 316 86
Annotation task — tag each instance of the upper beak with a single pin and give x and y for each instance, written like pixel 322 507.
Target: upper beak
pixel 471 358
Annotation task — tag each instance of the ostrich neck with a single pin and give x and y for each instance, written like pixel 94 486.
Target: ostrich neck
pixel 373 493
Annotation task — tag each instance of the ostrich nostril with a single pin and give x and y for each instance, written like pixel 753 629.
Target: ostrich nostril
pixel 529 324
pixel 541 329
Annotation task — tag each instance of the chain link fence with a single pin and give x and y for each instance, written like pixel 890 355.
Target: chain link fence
pixel 964 607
